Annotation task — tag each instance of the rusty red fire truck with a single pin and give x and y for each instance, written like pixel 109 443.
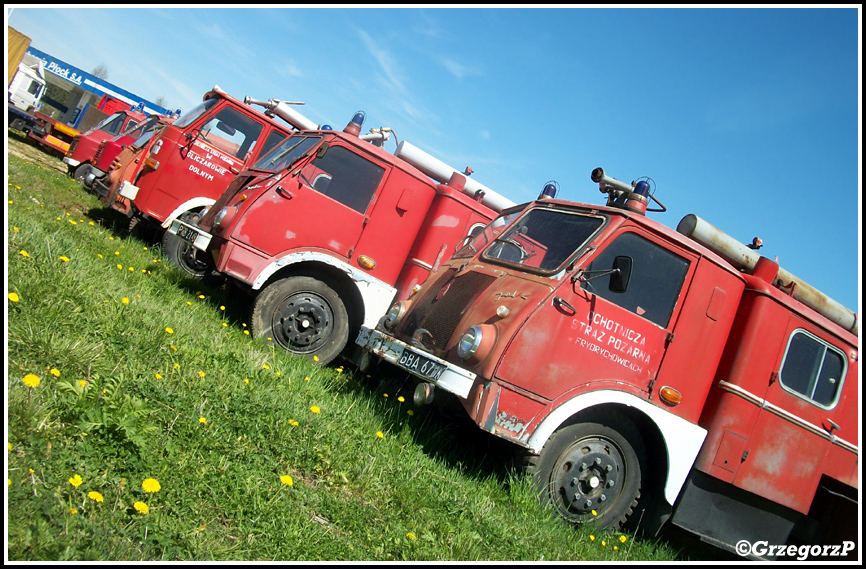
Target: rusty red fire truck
pixel 328 228
pixel 108 150
pixel 647 374
pixel 188 164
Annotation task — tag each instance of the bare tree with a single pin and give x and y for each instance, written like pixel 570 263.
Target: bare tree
pixel 100 71
pixel 161 101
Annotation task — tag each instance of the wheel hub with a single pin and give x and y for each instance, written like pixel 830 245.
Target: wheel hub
pixel 591 477
pixel 302 322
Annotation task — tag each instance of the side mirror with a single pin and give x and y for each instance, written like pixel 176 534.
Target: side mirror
pixel 225 128
pixel 322 149
pixel 620 274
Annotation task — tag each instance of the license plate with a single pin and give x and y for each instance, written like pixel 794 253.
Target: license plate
pixel 188 234
pixel 420 365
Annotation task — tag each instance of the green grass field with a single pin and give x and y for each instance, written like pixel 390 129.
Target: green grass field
pixel 144 374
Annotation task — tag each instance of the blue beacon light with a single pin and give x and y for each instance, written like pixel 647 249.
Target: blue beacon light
pixel 549 191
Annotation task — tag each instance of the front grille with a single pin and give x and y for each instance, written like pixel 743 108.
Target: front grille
pixel 73 145
pixel 440 317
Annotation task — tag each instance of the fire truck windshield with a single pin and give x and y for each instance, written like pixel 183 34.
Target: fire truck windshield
pixel 543 239
pixel 284 155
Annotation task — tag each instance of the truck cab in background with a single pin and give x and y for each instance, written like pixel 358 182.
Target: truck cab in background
pixel 79 157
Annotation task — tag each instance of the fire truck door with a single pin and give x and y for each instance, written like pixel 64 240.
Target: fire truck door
pixel 320 204
pixel 802 430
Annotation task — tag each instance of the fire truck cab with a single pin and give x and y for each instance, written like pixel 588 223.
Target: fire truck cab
pixel 79 157
pixel 647 373
pixel 187 165
pixel 328 228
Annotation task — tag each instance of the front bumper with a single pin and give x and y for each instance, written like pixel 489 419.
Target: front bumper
pixel 191 234
pixel 71 161
pixel 453 378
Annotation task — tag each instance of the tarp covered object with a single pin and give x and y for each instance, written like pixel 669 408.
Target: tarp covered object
pixel 18 44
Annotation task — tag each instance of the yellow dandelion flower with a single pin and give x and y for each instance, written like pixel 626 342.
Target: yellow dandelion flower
pixel 201 296
pixel 411 536
pixel 315 409
pixel 594 513
pixel 145 248
pixel 30 470
pixel 286 479
pixel 615 548
pixel 117 252
pixel 592 538
pixel 201 374
pixel 385 395
pixel 64 258
pixel 14 229
pixel 222 307
pixel 141 508
pixel 340 369
pixel 72 222
pixel 124 300
pixel 307 378
pixel 315 358
pixel 247 332
pixel 120 267
pixel 173 349
pixel 603 543
pixel 24 253
pixel 224 324
pixel 150 485
pixel 244 325
pixel 82 382
pixel 380 434
pixel 95 496
pixel 158 376
pixel 188 303
pixel 266 366
pixel 269 338
pixel 400 399
pixel 13 297
pixel 55 372
pixel 144 270
pixel 90 223
pixel 247 381
pixel 99 255
pixel 293 423
pixel 76 481
pixel 169 331
pixel 410 412
pixel 176 365
pixel 31 380
pixel 623 539
pixel 131 269
pixel 73 511
pixel 202 420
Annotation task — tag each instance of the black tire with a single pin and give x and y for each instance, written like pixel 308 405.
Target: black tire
pixel 186 257
pixel 302 315
pixel 597 464
pixel 80 172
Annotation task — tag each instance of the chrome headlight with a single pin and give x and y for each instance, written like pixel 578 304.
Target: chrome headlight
pixel 394 315
pixel 220 216
pixel 469 343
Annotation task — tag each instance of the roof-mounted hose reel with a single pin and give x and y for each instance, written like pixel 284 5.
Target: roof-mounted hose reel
pixel 634 197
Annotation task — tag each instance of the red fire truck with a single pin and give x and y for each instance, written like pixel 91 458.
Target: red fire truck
pixel 79 157
pixel 187 165
pixel 647 374
pixel 328 228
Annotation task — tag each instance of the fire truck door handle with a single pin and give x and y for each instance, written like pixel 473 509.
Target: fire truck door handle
pixel 559 302
pixel 282 192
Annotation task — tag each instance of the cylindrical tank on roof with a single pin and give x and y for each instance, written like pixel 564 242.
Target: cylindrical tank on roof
pixel 441 172
pixel 745 259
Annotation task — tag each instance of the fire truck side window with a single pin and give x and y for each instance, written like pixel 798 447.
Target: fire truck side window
pixel 232 132
pixel 657 276
pixel 345 177
pixel 812 369
pixel 273 139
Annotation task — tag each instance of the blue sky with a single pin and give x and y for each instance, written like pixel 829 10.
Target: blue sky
pixel 748 118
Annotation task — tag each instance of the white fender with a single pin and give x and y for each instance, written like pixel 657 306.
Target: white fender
pixel 185 207
pixel 683 439
pixel 376 294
